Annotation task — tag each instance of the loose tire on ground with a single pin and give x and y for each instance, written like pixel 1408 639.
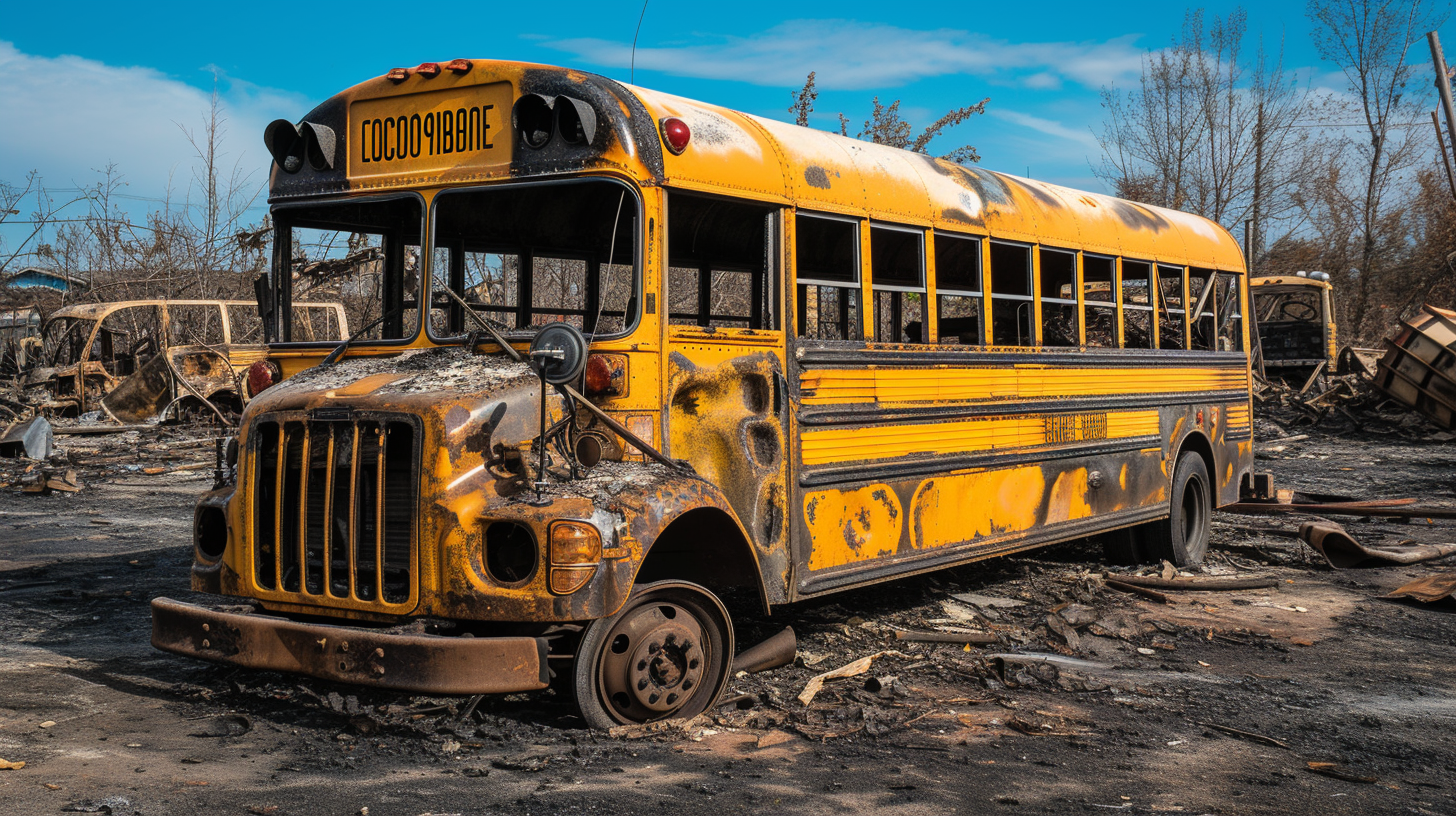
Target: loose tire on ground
pixel 664 655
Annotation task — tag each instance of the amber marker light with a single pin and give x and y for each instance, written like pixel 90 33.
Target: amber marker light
pixel 676 134
pixel 576 549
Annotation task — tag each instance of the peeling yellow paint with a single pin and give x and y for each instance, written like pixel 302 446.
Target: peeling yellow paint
pixel 846 527
pixel 1068 499
pixel 953 509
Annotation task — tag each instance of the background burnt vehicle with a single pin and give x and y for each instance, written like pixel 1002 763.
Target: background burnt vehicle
pixel 805 364
pixel 1296 315
pixel 137 359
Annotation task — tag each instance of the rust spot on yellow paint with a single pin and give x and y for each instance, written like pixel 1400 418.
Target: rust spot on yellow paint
pixel 847 527
pixel 953 509
pixel 1068 499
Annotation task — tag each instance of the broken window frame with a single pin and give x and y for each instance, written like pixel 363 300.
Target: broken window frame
pixel 1109 307
pixel 1020 304
pixel 1168 316
pixel 1202 328
pixel 764 283
pixel 945 293
pixel 393 281
pixel 850 320
pixel 1128 307
pixel 1057 300
pixel 1228 311
pixel 522 325
pixel 894 301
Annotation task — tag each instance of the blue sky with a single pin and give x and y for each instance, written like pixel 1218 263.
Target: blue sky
pixel 89 84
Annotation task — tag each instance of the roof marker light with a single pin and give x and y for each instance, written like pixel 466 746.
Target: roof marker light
pixel 397 75
pixel 460 66
pixel 676 134
pixel 428 70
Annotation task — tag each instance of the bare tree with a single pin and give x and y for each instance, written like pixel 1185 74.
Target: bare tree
pixel 1211 129
pixel 1370 40
pixel 887 127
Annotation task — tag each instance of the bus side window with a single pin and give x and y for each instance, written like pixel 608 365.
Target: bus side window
pixel 826 261
pixel 1099 294
pixel 1012 305
pixel 1203 329
pixel 958 290
pixel 720 263
pixel 1058 298
pixel 1137 305
pixel 1228 313
pixel 1171 309
pixel 897 277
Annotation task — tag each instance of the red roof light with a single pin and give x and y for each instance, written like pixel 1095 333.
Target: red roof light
pixel 676 134
pixel 397 75
pixel 460 66
pixel 428 70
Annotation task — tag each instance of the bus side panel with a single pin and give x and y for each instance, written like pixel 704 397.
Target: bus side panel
pixel 893 480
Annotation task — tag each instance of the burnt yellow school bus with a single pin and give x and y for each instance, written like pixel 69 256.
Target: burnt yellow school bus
pixel 621 354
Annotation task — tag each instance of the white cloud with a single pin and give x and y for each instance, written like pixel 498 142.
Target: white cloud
pixel 1049 127
pixel 851 55
pixel 68 116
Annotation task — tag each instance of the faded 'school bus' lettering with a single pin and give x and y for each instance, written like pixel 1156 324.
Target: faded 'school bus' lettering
pixel 437 133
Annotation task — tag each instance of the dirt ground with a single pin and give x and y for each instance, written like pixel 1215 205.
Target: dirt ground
pixel 1318 669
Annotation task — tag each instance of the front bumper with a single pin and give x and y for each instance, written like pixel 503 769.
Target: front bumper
pixel 427 664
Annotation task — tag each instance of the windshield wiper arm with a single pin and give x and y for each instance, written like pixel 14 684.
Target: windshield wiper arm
pixel 344 346
pixel 483 323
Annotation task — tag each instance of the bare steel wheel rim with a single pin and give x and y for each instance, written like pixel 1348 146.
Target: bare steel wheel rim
pixel 654 660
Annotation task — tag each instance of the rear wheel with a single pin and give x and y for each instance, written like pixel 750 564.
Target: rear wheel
pixel 664 655
pixel 1182 537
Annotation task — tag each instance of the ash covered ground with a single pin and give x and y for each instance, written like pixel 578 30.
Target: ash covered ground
pixel 1316 670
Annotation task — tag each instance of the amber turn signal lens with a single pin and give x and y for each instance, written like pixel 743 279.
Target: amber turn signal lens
pixel 606 375
pixel 575 542
pixel 565 580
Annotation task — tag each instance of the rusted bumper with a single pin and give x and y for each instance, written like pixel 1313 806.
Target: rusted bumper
pixel 348 654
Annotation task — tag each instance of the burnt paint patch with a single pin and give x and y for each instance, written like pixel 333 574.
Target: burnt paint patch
pixel 815 176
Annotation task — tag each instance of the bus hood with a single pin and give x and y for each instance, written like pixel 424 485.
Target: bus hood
pixel 458 394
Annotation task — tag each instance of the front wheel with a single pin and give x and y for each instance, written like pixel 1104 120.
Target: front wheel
pixel 664 655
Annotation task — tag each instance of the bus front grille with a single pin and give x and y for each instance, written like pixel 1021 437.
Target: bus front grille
pixel 333 509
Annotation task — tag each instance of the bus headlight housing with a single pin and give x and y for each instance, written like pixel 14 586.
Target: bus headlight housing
pixel 575 551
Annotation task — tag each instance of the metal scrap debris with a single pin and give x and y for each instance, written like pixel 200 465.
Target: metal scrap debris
pixel 1342 551
pixel 1430 589
pixel 1418 369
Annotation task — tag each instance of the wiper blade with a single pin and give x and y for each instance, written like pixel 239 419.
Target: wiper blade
pixel 482 322
pixel 344 346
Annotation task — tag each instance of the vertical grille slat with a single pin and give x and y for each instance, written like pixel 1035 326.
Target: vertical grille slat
pixel 333 508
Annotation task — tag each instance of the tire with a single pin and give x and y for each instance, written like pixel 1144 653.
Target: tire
pixel 664 655
pixel 1182 537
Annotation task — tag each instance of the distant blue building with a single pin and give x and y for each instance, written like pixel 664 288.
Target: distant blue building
pixel 30 277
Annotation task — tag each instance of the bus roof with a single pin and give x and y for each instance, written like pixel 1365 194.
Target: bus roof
pixel 735 154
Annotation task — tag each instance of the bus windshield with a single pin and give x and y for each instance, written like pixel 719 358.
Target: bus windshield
pixel 363 254
pixel 523 256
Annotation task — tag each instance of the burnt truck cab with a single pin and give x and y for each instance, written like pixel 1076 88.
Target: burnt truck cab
pixel 1296 319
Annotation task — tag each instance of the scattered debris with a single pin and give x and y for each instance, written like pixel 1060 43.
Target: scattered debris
pixel 30 438
pixel 1342 551
pixel 1194 584
pixel 1418 368
pixel 1430 589
pixel 6 765
pixel 1248 735
pixel 979 638
pixel 1132 589
pixel 772 653
pixel 111 804
pixel 1332 769
pixel 811 689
